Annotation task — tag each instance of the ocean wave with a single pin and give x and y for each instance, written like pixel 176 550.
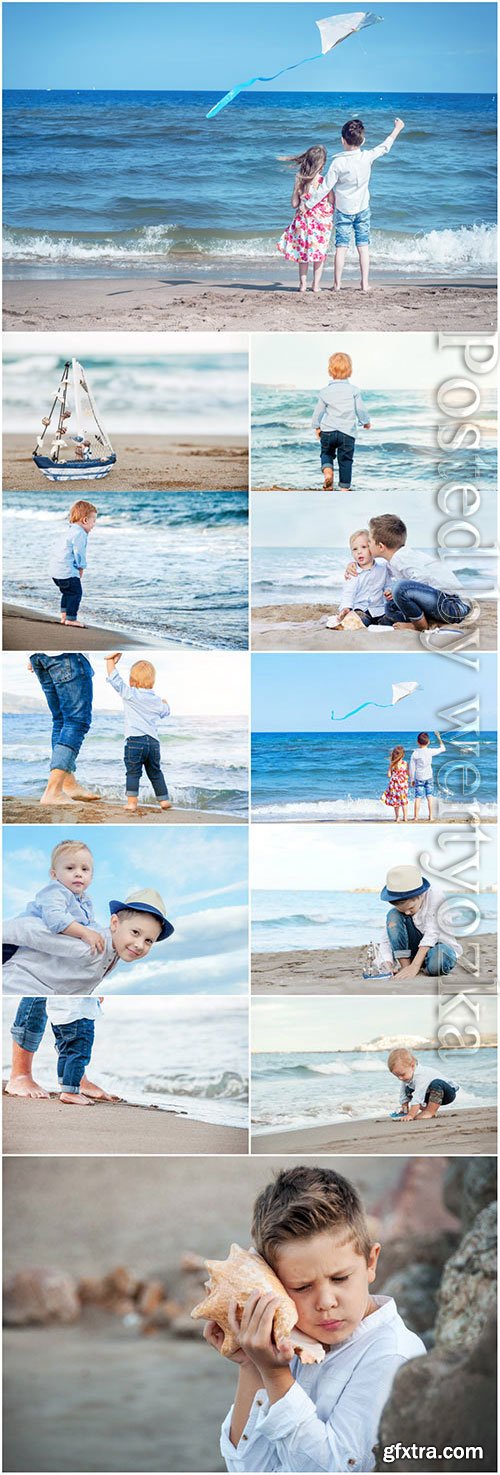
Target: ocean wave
pixel 224 1085
pixel 330 1068
pixel 360 809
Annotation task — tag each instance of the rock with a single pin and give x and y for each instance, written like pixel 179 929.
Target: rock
pixel 467 1292
pixel 124 1306
pixel 453 1184
pixel 123 1282
pixel 415 1293
pixel 93 1290
pixel 40 1296
pixel 164 1316
pixel 479 1187
pixel 415 1249
pixel 151 1296
pixel 445 1398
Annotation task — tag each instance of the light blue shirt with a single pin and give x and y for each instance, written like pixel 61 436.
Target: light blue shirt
pixel 340 407
pixel 366 590
pixel 70 554
pixel 58 908
pixel 143 710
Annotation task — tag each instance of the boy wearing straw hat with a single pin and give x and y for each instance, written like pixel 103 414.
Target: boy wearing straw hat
pixel 417 937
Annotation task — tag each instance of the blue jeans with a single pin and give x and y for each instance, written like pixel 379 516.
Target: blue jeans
pixel 410 600
pixel 71 595
pixel 29 1024
pixel 66 682
pixel 404 936
pixel 337 443
pixel 74 1048
pixel 438 1091
pixel 144 752
pixel 345 224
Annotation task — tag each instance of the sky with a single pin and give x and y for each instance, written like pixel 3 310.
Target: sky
pixel 195 683
pixel 301 359
pixel 310 857
pixel 159 46
pixel 297 693
pixel 295 520
pixel 343 1024
pixel 202 878
pixel 85 345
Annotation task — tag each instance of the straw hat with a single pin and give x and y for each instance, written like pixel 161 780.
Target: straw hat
pixel 403 882
pixel 148 901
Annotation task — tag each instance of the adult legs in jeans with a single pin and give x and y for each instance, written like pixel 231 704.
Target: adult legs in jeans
pixel 415 604
pixel 27 1032
pixel 71 598
pixel 66 682
pixel 74 1048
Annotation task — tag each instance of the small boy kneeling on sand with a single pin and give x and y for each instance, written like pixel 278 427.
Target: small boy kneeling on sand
pixel 422 1092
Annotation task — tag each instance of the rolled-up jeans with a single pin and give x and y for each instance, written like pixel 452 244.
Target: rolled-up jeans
pixel 405 937
pixel 438 1091
pixel 66 682
pixel 29 1025
pixel 410 600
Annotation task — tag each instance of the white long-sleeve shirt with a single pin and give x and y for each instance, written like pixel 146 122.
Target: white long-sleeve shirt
pixel 421 1079
pixel 349 175
pixel 142 709
pixel 340 407
pixel 68 1011
pixel 329 1419
pixel 421 763
pixel 58 907
pixel 428 921
pixel 366 590
pixel 411 563
pixel 48 963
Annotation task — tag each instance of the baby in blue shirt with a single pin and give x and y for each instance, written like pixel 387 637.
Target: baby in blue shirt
pixel 143 712
pixel 70 559
pixel 64 905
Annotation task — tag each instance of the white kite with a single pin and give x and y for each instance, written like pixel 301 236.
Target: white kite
pixel 400 689
pixel 333 29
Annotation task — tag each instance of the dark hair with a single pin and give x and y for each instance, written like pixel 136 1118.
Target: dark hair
pixel 389 530
pixel 354 132
pixel 423 739
pixel 309 164
pixel 303 1201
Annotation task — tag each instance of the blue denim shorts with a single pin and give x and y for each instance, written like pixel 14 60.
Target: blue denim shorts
pixel 424 787
pixel 359 223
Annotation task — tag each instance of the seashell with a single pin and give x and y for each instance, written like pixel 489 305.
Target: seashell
pixel 46 420
pixel 234 1279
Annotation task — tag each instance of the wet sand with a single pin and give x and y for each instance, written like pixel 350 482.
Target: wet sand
pixel 103 812
pixel 302 627
pixel 252 305
pixel 25 629
pixel 50 1127
pixel 455 1132
pixel 158 463
pixel 339 971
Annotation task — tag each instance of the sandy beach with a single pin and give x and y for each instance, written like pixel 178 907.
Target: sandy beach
pixel 468 1131
pixel 302 627
pixel 166 303
pixel 50 1127
pixel 338 971
pixel 25 629
pixel 144 462
pixel 31 812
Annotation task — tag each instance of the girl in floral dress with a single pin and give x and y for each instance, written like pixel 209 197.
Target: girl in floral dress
pixel 307 239
pixel 396 793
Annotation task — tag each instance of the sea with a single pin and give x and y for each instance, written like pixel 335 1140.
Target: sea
pixel 315 1089
pixel 340 776
pixel 396 456
pixel 205 760
pixel 286 920
pixel 102 182
pixel 316 575
pixel 171 565
pixel 183 1056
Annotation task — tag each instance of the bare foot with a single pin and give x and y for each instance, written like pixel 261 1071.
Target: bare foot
pixel 72 1099
pixel 302 291
pixel 165 804
pixel 327 479
pixel 25 1086
pixel 77 624
pixel 55 797
pixel 366 289
pixel 96 1093
pixel 81 795
pixel 403 625
pixel 131 804
pixel 63 619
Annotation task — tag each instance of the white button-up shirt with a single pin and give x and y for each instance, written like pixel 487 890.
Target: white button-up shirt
pixel 421 1079
pixel 411 563
pixel 48 963
pixel 70 553
pixel 68 1011
pixel 340 407
pixel 329 1419
pixel 58 907
pixel 143 710
pixel 349 176
pixel 421 762
pixel 429 921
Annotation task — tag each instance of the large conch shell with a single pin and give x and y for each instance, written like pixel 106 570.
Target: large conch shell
pixel 234 1279
pixel 351 621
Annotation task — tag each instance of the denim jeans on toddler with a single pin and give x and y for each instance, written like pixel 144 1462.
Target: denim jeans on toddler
pixel 410 600
pixel 144 753
pixel 335 443
pixel 66 682
pixel 345 224
pixel 74 1048
pixel 29 1024
pixel 438 1091
pixel 404 936
pixel 71 595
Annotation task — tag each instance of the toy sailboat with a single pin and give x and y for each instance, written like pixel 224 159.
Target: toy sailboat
pixel 80 450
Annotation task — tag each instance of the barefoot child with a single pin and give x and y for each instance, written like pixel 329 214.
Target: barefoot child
pixel 422 1092
pixel 338 413
pixel 349 175
pixel 309 1225
pixel 70 559
pixel 143 712
pixel 396 793
pixel 417 938
pixel 73 1025
pixel 307 239
pixel 365 592
pixel 421 775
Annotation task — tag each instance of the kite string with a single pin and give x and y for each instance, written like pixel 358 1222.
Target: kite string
pixel 360 709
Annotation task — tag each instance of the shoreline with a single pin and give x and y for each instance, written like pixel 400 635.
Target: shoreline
pixel 48 1127
pixel 368 819
pixel 157 301
pixel 158 463
pixel 17 811
pixel 338 971
pixel 25 629
pixel 301 627
pixel 468 1131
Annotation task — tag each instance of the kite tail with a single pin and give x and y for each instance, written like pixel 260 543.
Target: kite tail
pixel 240 86
pixel 359 709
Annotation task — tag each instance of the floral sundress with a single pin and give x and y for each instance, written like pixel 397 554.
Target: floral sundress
pixel 308 236
pixel 397 789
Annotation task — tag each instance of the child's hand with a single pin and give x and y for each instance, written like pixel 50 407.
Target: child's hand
pixel 368 425
pixel 95 939
pixel 342 614
pixel 115 656
pixel 351 571
pixel 214 1335
pixel 387 593
pixel 30 668
pixel 255 1331
pixel 318 433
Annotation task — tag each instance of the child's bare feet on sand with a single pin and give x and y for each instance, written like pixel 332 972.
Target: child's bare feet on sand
pixel 72 1098
pixel 96 1093
pixel 165 804
pixel 25 1086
